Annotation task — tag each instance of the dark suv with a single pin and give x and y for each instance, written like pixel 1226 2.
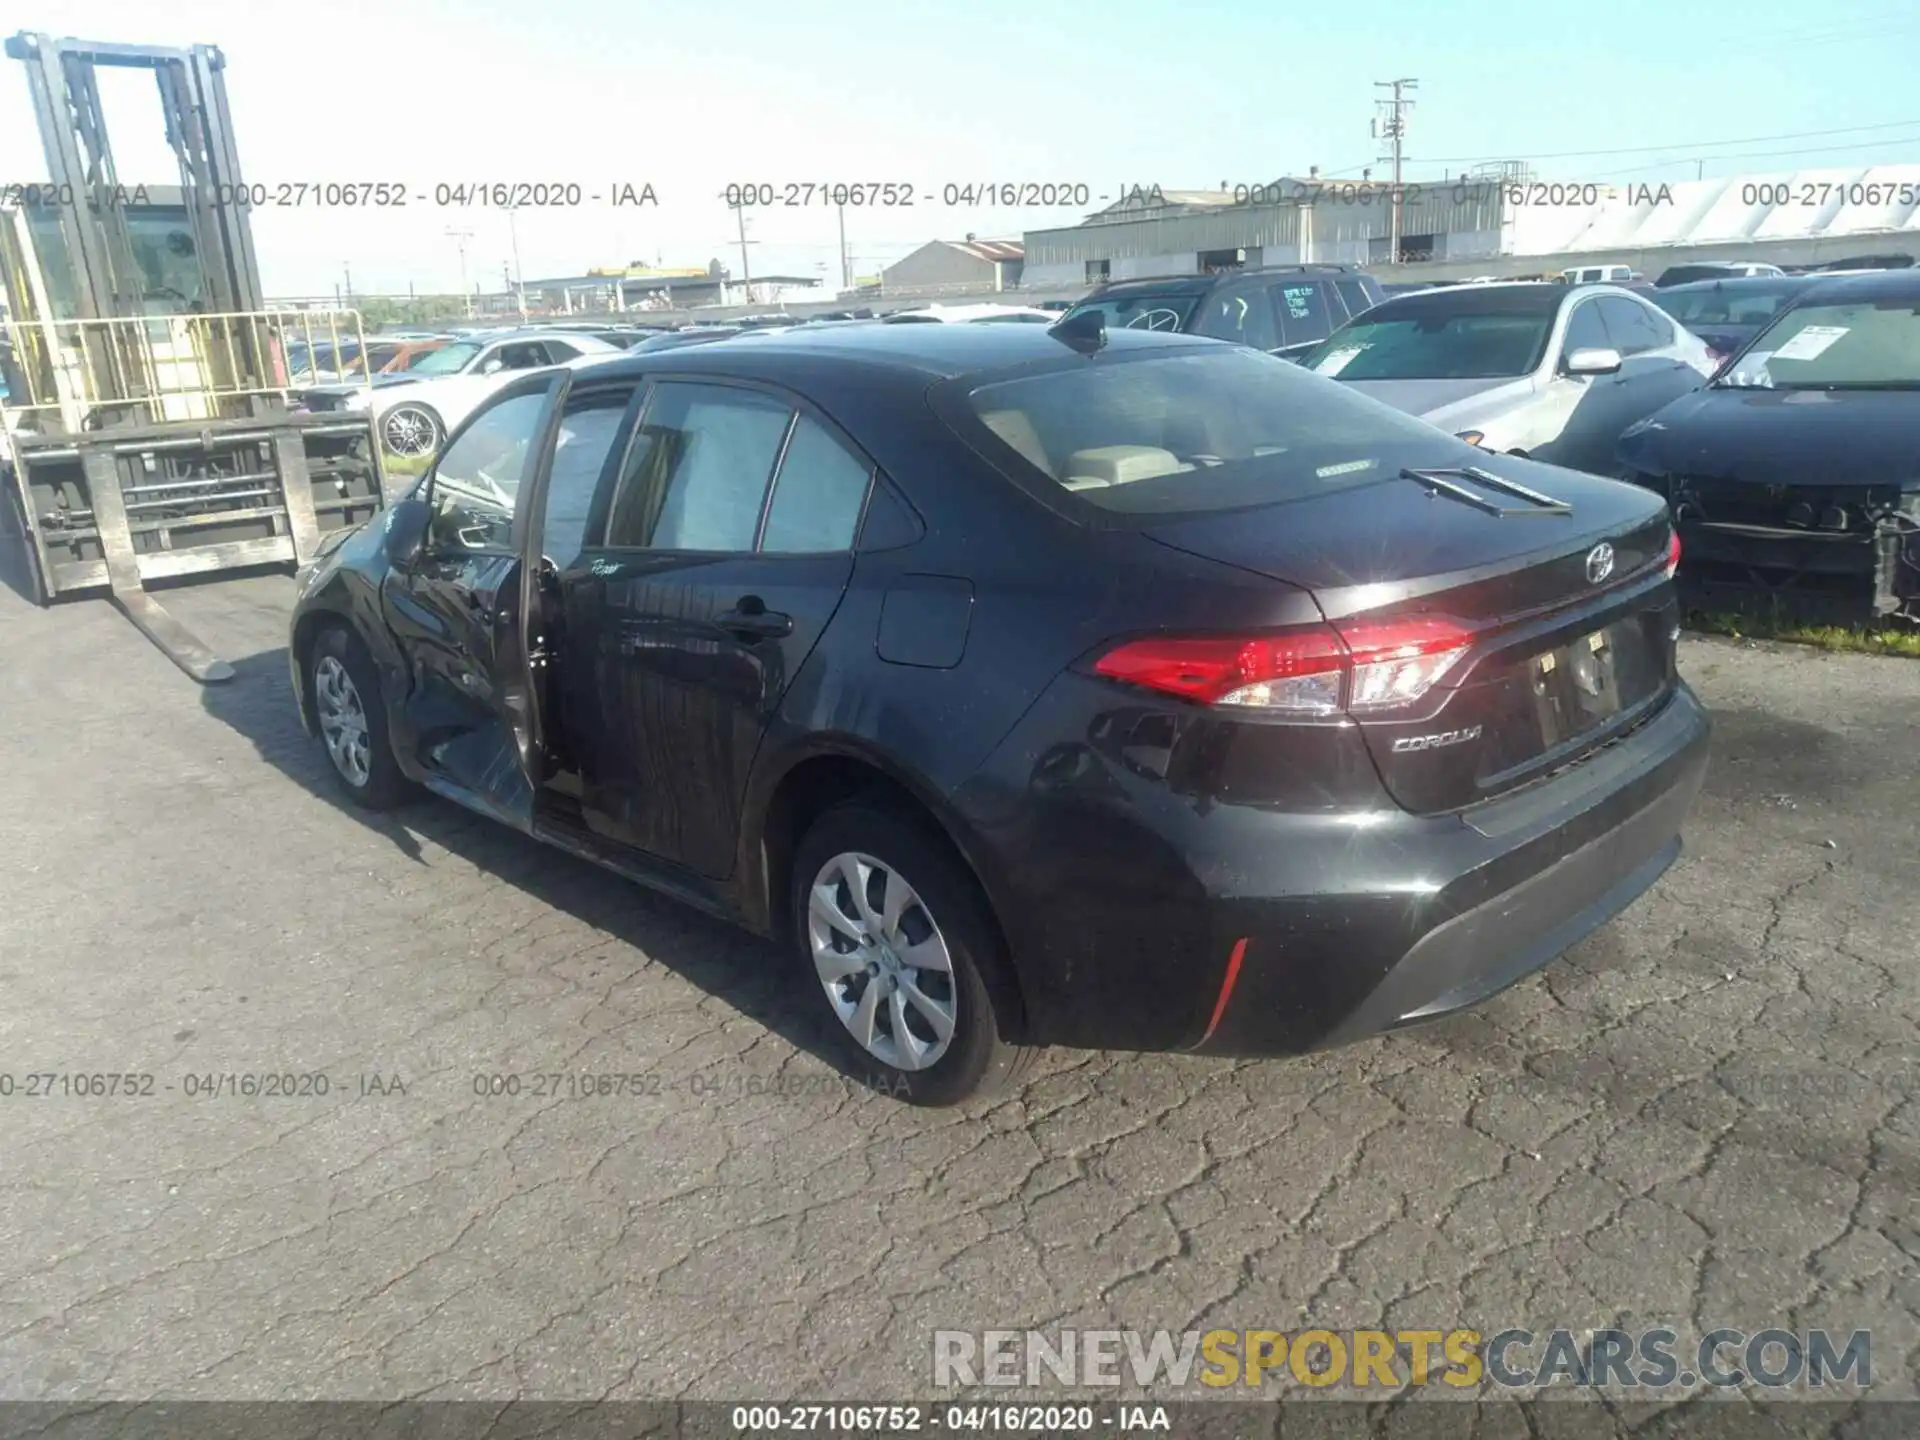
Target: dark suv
pixel 1284 309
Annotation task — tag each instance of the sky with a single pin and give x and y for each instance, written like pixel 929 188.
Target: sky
pixel 1187 94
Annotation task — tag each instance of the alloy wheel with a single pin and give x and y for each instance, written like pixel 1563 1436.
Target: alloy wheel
pixel 408 431
pixel 343 721
pixel 882 960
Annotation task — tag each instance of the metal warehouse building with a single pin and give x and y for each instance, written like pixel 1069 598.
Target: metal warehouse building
pixel 1454 229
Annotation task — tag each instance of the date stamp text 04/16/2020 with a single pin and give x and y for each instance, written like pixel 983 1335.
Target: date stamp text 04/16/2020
pixel 357 195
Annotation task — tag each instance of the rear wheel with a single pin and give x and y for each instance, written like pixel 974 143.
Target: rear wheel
pixel 896 934
pixel 353 721
pixel 411 430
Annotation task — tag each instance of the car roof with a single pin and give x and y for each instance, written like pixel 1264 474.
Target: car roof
pixel 935 351
pixel 1542 296
pixel 1757 283
pixel 1175 284
pixel 1864 285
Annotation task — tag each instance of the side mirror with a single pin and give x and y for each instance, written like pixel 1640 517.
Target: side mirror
pixel 1593 361
pixel 493 366
pixel 406 523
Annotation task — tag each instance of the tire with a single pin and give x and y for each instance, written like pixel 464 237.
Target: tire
pixel 343 682
pixel 947 916
pixel 411 429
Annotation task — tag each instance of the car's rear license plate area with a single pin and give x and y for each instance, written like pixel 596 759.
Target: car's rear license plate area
pixel 1548 700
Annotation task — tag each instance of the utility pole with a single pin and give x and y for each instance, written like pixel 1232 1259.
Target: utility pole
pixel 1391 125
pixel 746 271
pixel 460 238
pixel 519 281
pixel 346 268
pixel 846 274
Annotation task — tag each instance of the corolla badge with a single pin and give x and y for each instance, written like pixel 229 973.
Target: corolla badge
pixel 1599 563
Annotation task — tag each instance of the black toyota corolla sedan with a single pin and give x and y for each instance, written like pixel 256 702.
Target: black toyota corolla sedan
pixel 1031 685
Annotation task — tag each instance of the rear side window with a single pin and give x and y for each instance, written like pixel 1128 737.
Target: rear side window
pixel 1300 311
pixel 1355 295
pixel 1187 430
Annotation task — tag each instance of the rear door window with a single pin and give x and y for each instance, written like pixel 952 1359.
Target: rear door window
pixel 1631 325
pixel 1300 311
pixel 817 496
pixel 1587 330
pixel 698 471
pixel 1240 313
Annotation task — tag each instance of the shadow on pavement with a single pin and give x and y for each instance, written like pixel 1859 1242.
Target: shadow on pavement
pixel 758 980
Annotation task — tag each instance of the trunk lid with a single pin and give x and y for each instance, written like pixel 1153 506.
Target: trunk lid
pixel 1561 657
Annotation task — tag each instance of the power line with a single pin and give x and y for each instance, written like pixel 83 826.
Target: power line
pixel 1769 154
pixel 1676 145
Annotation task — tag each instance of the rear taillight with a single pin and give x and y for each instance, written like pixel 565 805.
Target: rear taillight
pixel 1365 666
pixel 1673 554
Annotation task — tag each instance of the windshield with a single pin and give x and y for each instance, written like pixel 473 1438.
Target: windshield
pixel 1184 431
pixel 1142 312
pixel 1867 345
pixel 448 360
pixel 1435 344
pixel 1748 303
pixel 415 358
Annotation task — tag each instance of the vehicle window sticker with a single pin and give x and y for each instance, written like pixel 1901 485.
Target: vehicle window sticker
pixel 1334 361
pixel 1811 342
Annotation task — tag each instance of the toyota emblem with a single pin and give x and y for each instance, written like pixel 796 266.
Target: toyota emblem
pixel 1599 563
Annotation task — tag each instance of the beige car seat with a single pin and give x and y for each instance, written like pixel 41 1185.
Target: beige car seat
pixel 1016 429
pixel 1119 465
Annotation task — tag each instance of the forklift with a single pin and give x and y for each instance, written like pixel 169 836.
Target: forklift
pixel 149 419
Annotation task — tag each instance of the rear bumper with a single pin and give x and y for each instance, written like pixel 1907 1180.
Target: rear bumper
pixel 1516 884
pixel 1234 930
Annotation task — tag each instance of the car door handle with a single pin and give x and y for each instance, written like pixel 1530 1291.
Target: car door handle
pixel 760 624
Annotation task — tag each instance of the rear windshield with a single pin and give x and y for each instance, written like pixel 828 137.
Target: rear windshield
pixel 1142 312
pixel 1472 342
pixel 1187 430
pixel 1750 302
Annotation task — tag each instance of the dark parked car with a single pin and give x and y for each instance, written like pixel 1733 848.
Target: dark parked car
pixel 1031 685
pixel 1795 475
pixel 1283 310
pixel 676 339
pixel 1728 313
pixel 1714 270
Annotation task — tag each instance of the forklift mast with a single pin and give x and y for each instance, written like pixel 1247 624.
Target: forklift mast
pixel 86 190
pixel 149 428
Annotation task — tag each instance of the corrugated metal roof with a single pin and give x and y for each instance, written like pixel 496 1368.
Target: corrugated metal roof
pixel 1788 205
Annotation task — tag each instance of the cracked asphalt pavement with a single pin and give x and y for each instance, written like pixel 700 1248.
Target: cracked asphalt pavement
pixel 1704 1116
